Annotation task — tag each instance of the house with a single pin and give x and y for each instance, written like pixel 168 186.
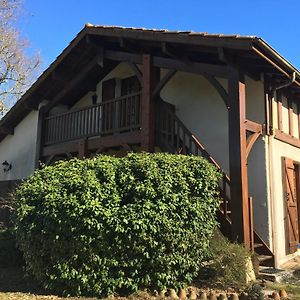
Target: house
pixel 232 99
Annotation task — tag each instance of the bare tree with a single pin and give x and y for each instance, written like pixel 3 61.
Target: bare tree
pixel 17 67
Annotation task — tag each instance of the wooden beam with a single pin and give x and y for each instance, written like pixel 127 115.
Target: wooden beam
pixel 30 106
pixel 150 79
pixel 251 141
pixel 169 63
pixel 237 157
pixel 49 160
pixel 128 45
pixel 243 64
pixel 55 76
pixel 123 56
pixel 7 130
pixel 73 83
pixel 82 149
pixel 221 55
pixel 253 126
pixel 100 56
pixel 100 150
pixel 136 70
pixel 131 138
pixel 127 147
pixel 39 137
pixel 268 107
pixel 190 66
pixel 163 83
pixel 270 61
pixel 275 65
pixel 291 116
pixel 286 138
pixel 279 110
pixel 219 88
pixel 169 50
pixel 185 39
pixel 250 201
pixel 298 117
pixel 256 130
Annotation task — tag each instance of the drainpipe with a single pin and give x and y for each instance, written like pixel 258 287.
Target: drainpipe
pixel 287 84
pixel 271 166
pixel 272 95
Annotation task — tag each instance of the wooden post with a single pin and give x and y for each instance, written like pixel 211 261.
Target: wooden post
pixel 237 157
pixel 39 138
pixel 82 149
pixel 149 81
pixel 250 199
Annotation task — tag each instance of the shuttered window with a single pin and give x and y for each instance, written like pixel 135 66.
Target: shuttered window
pixel 291 198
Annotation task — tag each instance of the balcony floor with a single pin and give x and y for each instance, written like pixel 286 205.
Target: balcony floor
pixel 94 143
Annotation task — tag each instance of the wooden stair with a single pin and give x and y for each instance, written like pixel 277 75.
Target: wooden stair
pixel 174 137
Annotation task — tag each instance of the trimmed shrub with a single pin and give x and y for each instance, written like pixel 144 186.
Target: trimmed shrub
pixel 107 224
pixel 227 262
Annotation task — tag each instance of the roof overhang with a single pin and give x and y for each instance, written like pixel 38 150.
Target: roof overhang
pixel 82 49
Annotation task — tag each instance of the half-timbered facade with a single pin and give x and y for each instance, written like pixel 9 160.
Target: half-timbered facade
pixel 231 99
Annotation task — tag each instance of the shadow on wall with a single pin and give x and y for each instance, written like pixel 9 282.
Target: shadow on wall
pixel 6 200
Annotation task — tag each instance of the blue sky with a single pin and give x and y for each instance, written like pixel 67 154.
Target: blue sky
pixel 51 24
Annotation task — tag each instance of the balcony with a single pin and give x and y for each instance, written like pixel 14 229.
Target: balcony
pixel 119 115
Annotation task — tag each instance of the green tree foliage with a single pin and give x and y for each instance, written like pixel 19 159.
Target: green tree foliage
pixel 107 224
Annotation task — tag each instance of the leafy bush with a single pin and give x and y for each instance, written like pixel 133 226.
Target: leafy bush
pixel 109 224
pixel 227 261
pixel 255 292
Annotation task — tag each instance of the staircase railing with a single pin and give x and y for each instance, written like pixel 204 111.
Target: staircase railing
pixel 175 137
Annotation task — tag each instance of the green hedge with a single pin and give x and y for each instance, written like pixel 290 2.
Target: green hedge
pixel 107 224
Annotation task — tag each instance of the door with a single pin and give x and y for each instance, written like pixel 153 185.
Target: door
pixel 129 106
pixel 109 106
pixel 291 197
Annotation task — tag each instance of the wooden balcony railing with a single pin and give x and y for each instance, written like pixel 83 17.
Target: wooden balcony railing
pixel 113 116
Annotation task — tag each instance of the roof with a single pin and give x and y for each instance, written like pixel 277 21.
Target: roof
pixel 78 53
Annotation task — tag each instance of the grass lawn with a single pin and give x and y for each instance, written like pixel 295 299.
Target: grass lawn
pixel 292 286
pixel 15 285
pixel 292 289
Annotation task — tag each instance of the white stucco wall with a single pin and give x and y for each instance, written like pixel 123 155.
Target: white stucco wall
pixel 255 104
pixel 202 110
pixel 120 72
pixel 279 150
pixel 285 117
pixel 19 149
pixel 258 189
pixel 258 162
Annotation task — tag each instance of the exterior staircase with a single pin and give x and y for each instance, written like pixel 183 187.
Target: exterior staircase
pixel 174 137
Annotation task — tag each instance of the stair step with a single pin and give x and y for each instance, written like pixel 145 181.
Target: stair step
pixel 275 275
pixel 258 245
pixel 262 258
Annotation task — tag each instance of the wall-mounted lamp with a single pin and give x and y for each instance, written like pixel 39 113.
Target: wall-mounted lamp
pixel 7 166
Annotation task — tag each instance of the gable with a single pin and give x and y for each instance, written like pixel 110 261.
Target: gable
pixel 83 61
